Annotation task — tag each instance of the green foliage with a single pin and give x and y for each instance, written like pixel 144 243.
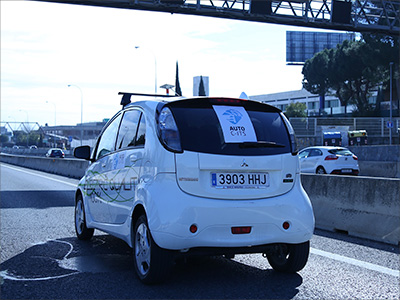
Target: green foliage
pixel 352 70
pixel 315 73
pixel 296 109
pixel 4 138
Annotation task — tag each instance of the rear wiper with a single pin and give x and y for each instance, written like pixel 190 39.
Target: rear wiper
pixel 260 144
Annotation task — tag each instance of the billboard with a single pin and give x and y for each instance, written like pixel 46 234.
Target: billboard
pixel 302 45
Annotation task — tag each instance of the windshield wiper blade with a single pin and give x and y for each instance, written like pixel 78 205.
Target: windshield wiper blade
pixel 261 144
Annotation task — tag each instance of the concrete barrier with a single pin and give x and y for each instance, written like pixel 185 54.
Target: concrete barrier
pixel 361 206
pixel 74 168
pixel 366 207
pixel 378 161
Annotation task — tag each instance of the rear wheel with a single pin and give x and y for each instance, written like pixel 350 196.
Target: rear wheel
pixel 82 232
pixel 320 170
pixel 152 263
pixel 289 258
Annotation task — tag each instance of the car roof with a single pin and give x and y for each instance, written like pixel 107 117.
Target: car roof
pixel 152 102
pixel 325 147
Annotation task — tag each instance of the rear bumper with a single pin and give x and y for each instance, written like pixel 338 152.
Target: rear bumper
pixel 171 212
pixel 354 172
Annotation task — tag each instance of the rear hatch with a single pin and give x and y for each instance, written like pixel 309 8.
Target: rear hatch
pixel 343 159
pixel 232 149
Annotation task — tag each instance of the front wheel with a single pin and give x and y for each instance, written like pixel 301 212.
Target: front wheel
pixel 82 232
pixel 289 258
pixel 152 263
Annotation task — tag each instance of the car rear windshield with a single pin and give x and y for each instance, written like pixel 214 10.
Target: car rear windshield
pixel 202 127
pixel 342 152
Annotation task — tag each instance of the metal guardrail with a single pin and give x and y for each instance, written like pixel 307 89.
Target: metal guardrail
pixel 375 127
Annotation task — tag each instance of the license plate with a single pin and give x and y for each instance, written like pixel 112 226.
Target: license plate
pixel 347 170
pixel 240 180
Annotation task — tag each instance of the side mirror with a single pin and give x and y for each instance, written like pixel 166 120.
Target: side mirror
pixel 82 152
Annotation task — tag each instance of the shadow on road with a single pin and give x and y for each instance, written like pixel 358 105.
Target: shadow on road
pixel 36 199
pixel 103 269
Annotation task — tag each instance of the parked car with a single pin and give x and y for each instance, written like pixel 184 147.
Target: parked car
pixel 328 160
pixel 55 152
pixel 209 176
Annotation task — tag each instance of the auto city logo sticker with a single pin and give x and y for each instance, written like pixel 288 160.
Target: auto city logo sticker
pixel 233 116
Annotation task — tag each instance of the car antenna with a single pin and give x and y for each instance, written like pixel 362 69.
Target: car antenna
pixel 126 97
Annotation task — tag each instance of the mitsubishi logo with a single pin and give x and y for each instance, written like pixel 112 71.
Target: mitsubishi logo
pixel 243 165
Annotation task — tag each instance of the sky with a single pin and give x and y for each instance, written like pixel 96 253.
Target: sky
pixel 102 51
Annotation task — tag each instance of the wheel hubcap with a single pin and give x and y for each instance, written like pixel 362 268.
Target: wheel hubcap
pixel 142 249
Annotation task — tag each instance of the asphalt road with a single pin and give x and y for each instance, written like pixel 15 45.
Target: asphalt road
pixel 42 259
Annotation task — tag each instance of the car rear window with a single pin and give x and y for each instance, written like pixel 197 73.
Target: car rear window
pixel 200 127
pixel 342 152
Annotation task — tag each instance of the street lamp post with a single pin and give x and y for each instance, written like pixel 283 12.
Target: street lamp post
pixel 74 85
pixel 155 69
pixel 55 112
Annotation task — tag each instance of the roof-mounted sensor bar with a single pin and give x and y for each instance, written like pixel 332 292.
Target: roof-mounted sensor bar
pixel 126 97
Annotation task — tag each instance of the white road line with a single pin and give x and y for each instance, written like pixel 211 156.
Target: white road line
pixel 356 262
pixel 39 175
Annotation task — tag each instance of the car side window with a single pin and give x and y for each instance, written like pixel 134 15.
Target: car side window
pixel 128 129
pixel 315 152
pixel 107 140
pixel 304 154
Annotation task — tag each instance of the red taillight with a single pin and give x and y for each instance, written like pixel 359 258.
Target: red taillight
pixel 355 157
pixel 241 230
pixel 286 225
pixel 193 228
pixel 331 157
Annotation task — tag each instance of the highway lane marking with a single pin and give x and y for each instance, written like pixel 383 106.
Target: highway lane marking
pixel 39 175
pixel 356 262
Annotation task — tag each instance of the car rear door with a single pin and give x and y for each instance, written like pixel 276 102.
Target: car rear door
pixel 127 163
pixel 312 161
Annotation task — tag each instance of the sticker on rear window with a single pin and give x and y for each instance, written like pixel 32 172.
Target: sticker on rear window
pixel 235 123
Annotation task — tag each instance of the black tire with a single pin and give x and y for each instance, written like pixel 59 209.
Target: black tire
pixel 82 232
pixel 152 263
pixel 289 258
pixel 320 170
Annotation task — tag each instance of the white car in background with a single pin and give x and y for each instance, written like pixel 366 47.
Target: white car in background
pixel 328 160
pixel 210 176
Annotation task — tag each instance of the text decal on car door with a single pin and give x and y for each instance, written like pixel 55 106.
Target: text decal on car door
pixel 235 123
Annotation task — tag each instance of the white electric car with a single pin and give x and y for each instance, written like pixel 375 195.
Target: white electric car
pixel 212 176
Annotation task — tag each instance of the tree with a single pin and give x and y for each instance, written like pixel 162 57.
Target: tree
pixel 296 110
pixel 202 91
pixel 315 71
pixel 352 70
pixel 337 75
pixel 4 138
pixel 178 91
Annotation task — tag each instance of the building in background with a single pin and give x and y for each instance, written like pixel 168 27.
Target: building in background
pixel 282 100
pixel 66 136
